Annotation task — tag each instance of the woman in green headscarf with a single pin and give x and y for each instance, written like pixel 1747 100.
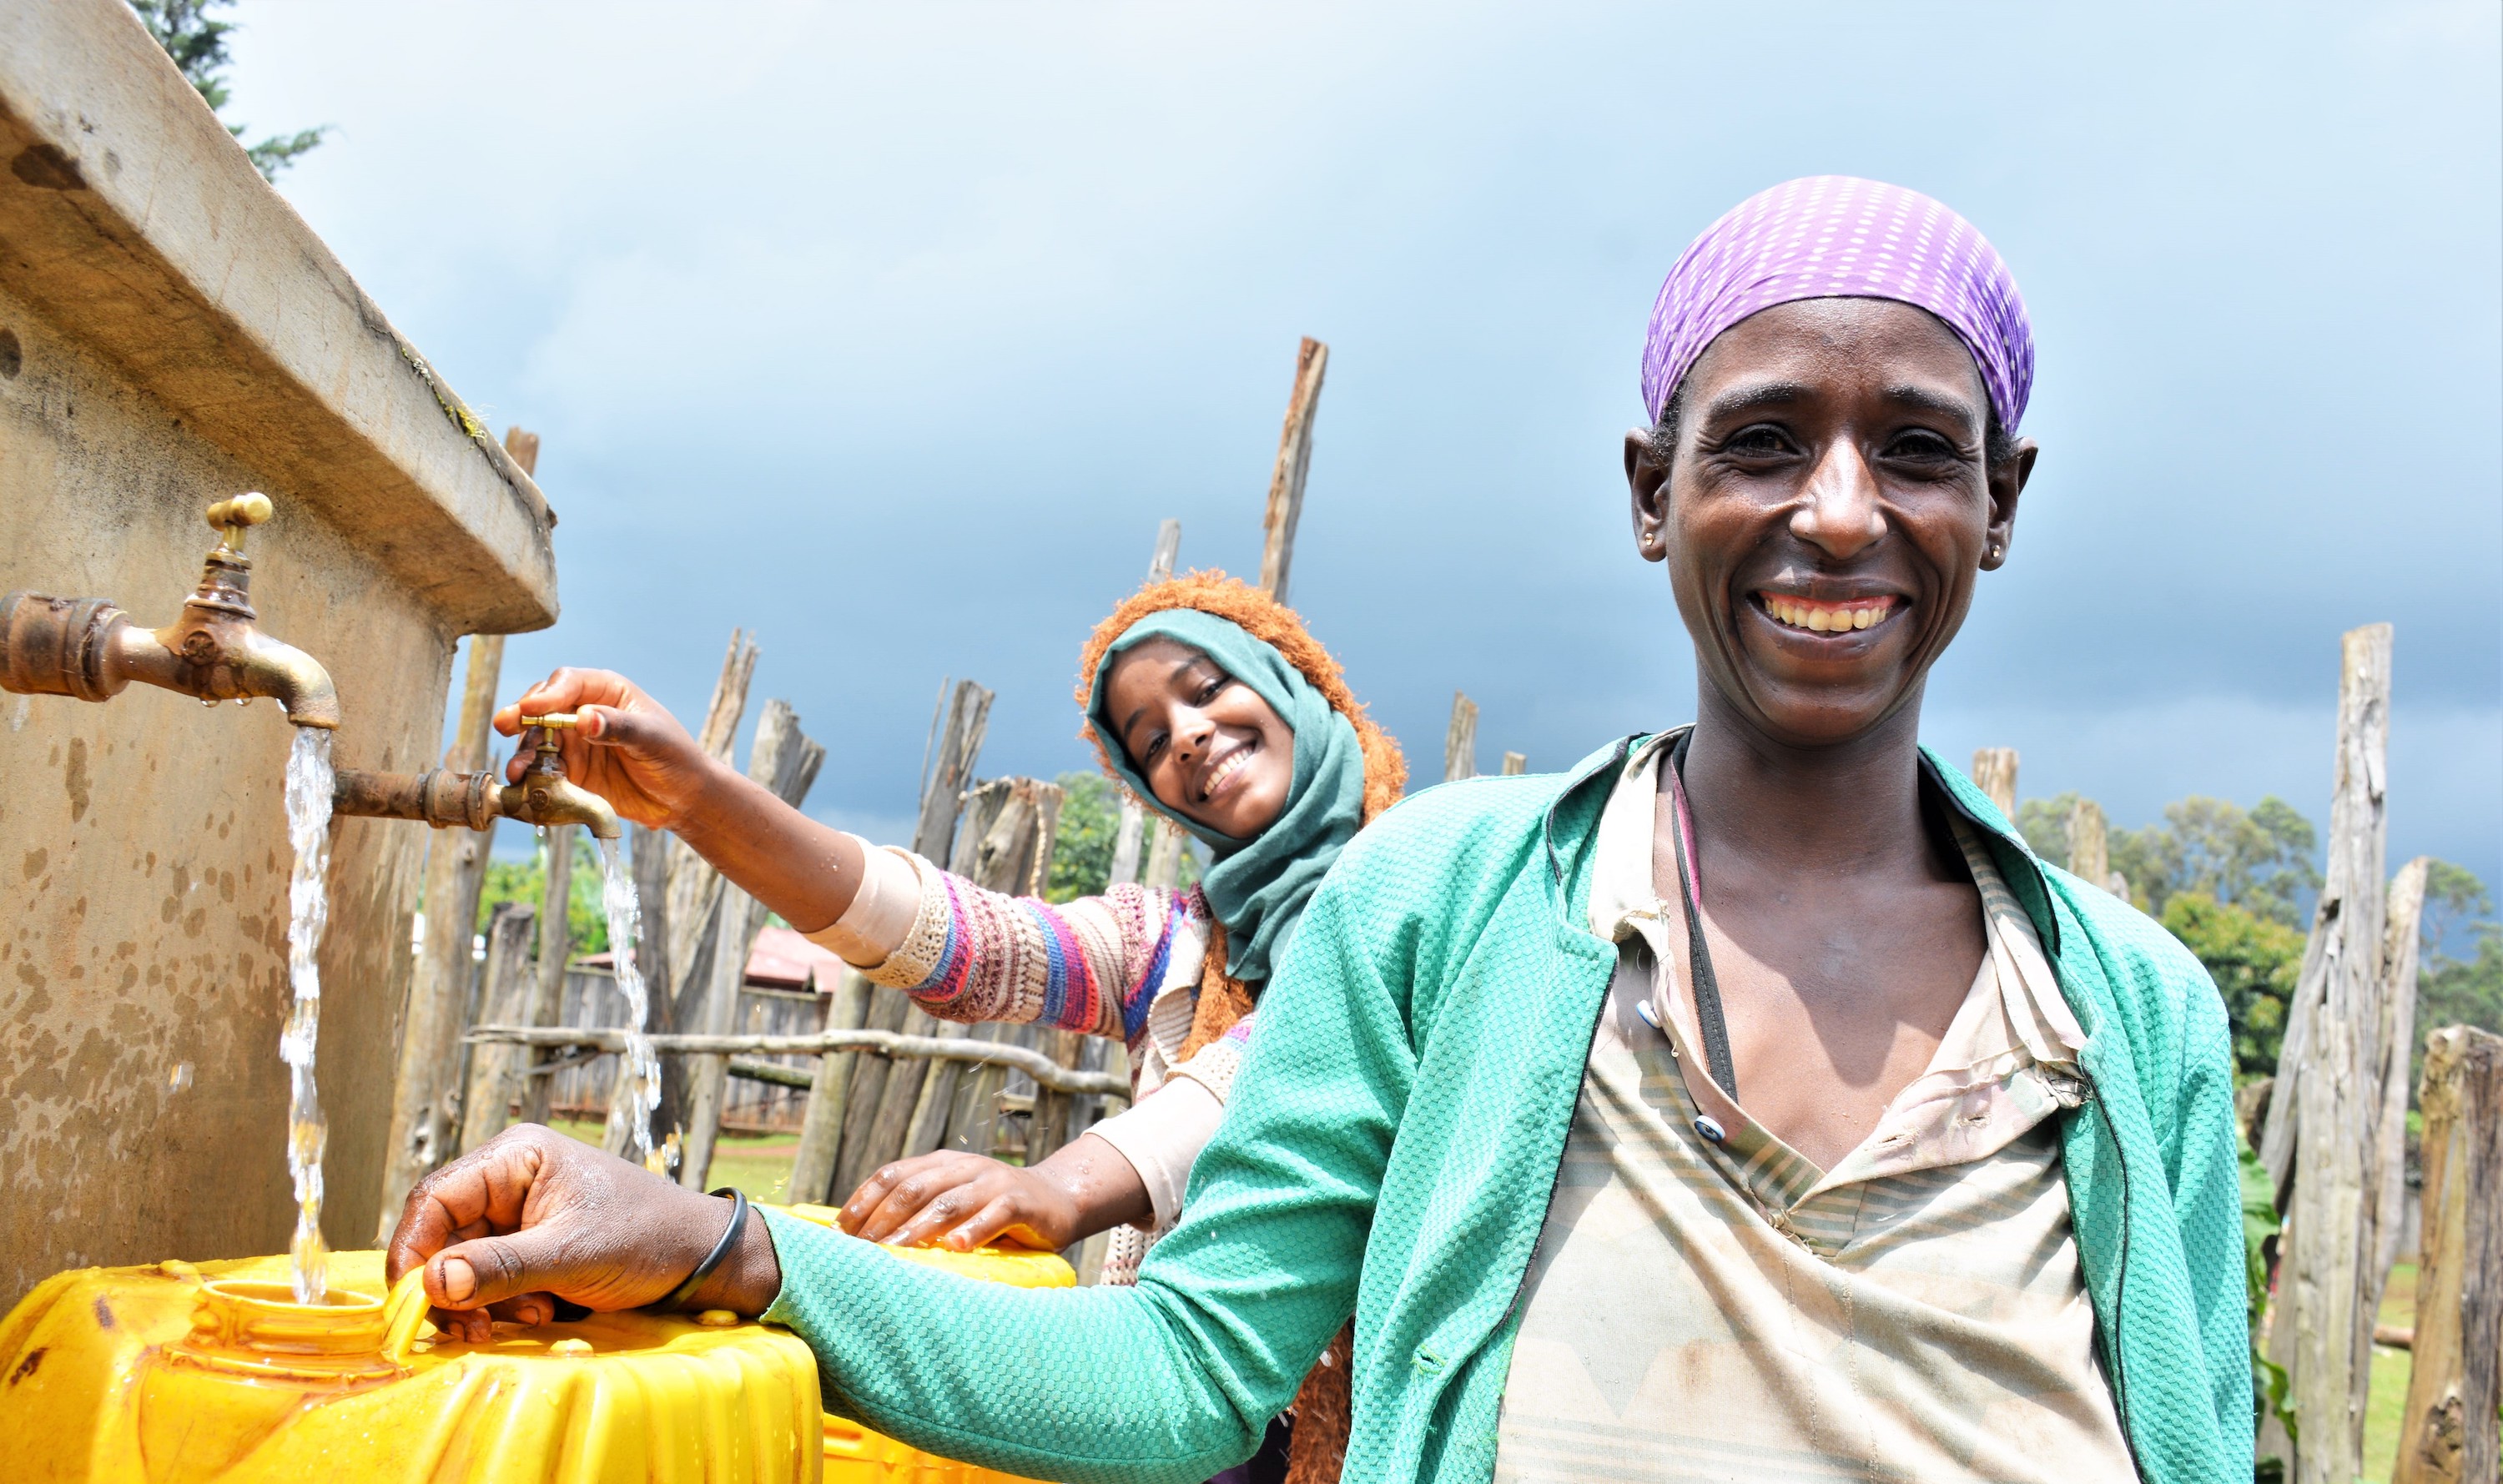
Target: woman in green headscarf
pixel 1211 702
pixel 1215 706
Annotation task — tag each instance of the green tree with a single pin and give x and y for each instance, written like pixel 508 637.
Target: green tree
pixel 2260 860
pixel 2459 992
pixel 197 44
pixel 1082 851
pixel 525 881
pixel 2045 825
pixel 2254 960
pixel 2464 992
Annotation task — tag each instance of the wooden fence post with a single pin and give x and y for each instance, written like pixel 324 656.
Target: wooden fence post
pixel 2325 1112
pixel 821 1122
pixel 2089 844
pixel 2446 1431
pixel 1994 773
pixel 1294 461
pixel 504 992
pixel 690 901
pixel 556 951
pixel 1515 765
pixel 426 1094
pixel 993 813
pixel 1129 836
pixel 1460 740
pixel 881 1137
pixel 2395 1046
pixel 784 759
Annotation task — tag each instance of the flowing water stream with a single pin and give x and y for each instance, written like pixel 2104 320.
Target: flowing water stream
pixel 308 900
pixel 643 1071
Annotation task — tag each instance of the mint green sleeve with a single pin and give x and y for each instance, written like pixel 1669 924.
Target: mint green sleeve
pixel 2204 1169
pixel 1176 1378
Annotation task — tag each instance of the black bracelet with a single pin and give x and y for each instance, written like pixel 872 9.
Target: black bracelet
pixel 720 1249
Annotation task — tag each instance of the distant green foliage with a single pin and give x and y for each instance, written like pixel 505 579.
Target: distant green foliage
pixel 197 45
pixel 2254 960
pixel 1081 852
pixel 525 881
pixel 2045 825
pixel 2260 860
pixel 2464 992
pixel 2458 992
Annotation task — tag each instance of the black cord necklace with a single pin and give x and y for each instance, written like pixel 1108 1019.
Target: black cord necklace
pixel 1698 954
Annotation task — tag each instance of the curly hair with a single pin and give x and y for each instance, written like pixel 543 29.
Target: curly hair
pixel 1274 623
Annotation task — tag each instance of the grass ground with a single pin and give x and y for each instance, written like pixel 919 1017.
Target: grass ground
pixel 759 1163
pixel 2389 1391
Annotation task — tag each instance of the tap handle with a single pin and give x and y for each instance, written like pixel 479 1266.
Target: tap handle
pixel 234 516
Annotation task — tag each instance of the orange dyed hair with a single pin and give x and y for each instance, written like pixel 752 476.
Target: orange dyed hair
pixel 1274 623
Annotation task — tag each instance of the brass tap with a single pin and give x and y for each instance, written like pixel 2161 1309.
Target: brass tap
pixel 547 797
pixel 89 649
pixel 442 798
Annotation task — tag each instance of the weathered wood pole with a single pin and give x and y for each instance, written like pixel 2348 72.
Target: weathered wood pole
pixel 2326 1109
pixel 1129 837
pixel 1056 1114
pixel 503 993
pixel 993 849
pixel 681 930
pixel 821 1119
pixel 784 759
pixel 556 951
pixel 2089 844
pixel 1515 765
pixel 1294 461
pixel 1994 773
pixel 934 834
pixel 2396 1044
pixel 426 1094
pixel 2446 1432
pixel 1460 740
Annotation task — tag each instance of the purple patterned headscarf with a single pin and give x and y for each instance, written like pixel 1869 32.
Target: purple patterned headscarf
pixel 1836 236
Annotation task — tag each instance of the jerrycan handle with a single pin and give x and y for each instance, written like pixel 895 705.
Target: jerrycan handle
pixel 403 1315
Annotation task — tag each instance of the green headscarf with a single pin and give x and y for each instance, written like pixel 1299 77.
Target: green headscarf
pixel 1258 886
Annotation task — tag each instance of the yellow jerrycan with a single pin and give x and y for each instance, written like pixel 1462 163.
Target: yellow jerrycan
pixel 178 1373
pixel 210 1373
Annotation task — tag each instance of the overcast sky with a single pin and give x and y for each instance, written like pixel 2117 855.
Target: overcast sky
pixel 892 331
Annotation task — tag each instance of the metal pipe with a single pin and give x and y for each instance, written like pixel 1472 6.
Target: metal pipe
pixel 444 799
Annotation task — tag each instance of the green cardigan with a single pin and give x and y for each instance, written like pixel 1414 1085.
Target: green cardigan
pixel 1391 1146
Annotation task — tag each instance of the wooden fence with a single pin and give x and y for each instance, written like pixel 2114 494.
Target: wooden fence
pixel 750 1105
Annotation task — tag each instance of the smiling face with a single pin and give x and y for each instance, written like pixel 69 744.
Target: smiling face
pixel 1824 512
pixel 1210 748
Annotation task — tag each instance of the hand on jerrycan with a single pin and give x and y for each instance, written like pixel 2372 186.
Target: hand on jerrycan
pixel 531 1216
pixel 617 742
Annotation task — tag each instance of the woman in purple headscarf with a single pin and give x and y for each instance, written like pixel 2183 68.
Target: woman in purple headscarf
pixel 1746 1104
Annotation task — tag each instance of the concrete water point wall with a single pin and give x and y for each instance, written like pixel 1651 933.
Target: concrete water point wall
pixel 172 333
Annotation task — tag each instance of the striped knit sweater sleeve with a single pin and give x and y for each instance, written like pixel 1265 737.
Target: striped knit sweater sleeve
pixel 1091 965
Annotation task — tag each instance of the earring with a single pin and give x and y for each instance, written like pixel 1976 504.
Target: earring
pixel 1994 550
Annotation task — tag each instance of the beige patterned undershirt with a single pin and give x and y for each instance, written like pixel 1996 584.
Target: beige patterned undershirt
pixel 1703 1311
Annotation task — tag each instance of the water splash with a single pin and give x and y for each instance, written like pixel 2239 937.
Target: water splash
pixel 643 1070
pixel 308 900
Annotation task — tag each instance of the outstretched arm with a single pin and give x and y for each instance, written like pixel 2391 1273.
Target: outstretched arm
pixel 630 751
pixel 1171 1380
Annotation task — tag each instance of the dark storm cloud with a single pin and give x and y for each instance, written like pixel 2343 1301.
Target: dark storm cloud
pixel 893 335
